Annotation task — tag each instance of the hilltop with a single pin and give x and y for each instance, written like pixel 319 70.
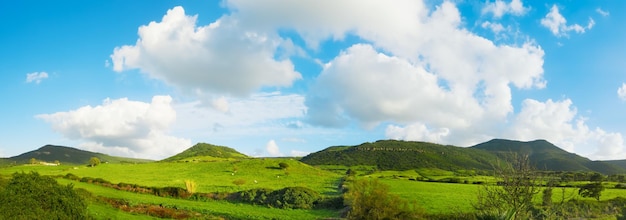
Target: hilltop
pixel 547 156
pixel 67 155
pixel 206 152
pixel 403 155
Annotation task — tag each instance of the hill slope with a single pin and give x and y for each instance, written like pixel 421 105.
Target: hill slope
pixel 546 156
pixel 68 155
pixel 403 155
pixel 206 152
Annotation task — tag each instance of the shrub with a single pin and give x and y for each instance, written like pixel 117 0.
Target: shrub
pixel 293 198
pixel 283 165
pixel 31 196
pixel 71 177
pixel 254 196
pixel 94 161
pixel 370 199
pixel 191 186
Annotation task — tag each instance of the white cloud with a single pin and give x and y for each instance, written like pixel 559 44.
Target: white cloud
pixel 621 92
pixel 122 127
pixel 494 27
pixel 218 58
pixel 602 12
pixel 431 70
pixel 499 8
pixel 558 24
pixel 36 77
pixel 272 149
pixel 416 132
pixel 297 153
pixel 559 123
pixel 246 116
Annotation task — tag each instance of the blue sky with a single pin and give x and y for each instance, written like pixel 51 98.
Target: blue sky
pixel 149 79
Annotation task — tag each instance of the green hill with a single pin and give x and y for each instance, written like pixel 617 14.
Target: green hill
pixel 206 152
pixel 546 156
pixel 403 155
pixel 68 155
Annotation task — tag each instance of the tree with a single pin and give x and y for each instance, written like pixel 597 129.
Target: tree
pixel 370 199
pixel 283 165
pixel 31 196
pixel 94 161
pixel 33 161
pixel 515 191
pixel 593 190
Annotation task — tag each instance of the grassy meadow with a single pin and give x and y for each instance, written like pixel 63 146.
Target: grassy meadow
pixel 220 175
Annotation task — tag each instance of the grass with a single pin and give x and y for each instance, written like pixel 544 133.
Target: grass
pixel 214 208
pixel 209 177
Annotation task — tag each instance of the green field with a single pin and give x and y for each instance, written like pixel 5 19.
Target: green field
pixel 210 176
pixel 218 176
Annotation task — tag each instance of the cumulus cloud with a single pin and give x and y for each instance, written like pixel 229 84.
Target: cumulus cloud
pixel 559 123
pixel 36 77
pixel 499 8
pixel 217 58
pixel 557 24
pixel 272 149
pixel 122 127
pixel 416 132
pixel 621 92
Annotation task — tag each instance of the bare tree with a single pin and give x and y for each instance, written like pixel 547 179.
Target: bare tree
pixel 512 196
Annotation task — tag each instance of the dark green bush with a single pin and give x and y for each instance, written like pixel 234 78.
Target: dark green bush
pixel 254 196
pixel 293 198
pixel 31 196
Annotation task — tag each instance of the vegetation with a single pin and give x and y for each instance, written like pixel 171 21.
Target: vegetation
pixel 482 182
pixel 545 156
pixel 283 165
pixel 593 190
pixel 31 196
pixel 370 199
pixel 191 186
pixel 206 152
pixel 94 161
pixel 403 155
pixel 513 195
pixel 66 155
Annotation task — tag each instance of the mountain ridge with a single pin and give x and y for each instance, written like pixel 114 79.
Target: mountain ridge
pixel 67 155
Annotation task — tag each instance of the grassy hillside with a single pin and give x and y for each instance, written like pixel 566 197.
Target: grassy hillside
pixel 403 155
pixel 546 156
pixel 206 152
pixel 68 155
pixel 210 176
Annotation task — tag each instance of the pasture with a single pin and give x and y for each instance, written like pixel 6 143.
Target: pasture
pixel 219 176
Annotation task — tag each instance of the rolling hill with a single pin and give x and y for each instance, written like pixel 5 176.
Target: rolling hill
pixel 546 156
pixel 68 155
pixel 206 152
pixel 403 155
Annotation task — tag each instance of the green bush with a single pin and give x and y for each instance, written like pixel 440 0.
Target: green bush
pixel 31 196
pixel 293 198
pixel 254 196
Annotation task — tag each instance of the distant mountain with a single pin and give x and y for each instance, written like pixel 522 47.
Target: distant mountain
pixel 403 155
pixel 206 152
pixel 546 156
pixel 68 155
